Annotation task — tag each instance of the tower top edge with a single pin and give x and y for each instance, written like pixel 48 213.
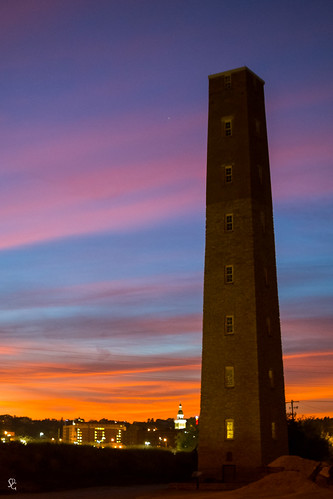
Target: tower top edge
pixel 236 70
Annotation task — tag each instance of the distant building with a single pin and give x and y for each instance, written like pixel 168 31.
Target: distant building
pixel 242 420
pixel 81 433
pixel 180 422
pixel 159 433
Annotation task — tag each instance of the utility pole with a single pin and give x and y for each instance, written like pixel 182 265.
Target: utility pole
pixel 293 414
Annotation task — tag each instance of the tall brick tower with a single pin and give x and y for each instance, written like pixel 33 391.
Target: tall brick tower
pixel 242 420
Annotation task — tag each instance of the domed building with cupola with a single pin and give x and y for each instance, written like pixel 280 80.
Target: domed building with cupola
pixel 180 422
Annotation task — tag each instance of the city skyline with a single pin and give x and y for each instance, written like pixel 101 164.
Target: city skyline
pixel 103 160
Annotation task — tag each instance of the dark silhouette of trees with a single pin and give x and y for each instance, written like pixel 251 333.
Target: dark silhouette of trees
pixel 310 438
pixel 187 440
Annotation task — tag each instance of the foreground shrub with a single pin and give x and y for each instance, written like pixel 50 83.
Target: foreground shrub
pixel 307 439
pixel 41 467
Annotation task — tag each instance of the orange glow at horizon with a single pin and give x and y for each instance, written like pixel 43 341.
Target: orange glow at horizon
pixel 139 393
pixel 309 379
pixel 128 394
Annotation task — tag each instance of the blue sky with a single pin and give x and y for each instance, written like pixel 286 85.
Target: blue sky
pixel 103 125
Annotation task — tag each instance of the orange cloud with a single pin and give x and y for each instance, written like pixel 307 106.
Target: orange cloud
pixel 141 392
pixel 109 395
pixel 309 380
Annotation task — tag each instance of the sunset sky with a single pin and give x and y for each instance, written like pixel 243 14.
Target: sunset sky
pixel 103 132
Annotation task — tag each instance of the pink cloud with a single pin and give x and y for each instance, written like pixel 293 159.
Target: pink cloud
pixel 71 146
pixel 137 330
pixel 302 168
pixel 92 180
pixel 84 220
pixel 111 183
pixel 8 350
pixel 302 98
pixel 308 327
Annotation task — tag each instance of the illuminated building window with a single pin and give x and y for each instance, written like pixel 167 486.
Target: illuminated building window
pixel 274 436
pixel 229 377
pixel 228 174
pixel 118 437
pixel 228 128
pixel 229 324
pixel 229 274
pixel 229 222
pixel 227 81
pixel 229 429
pixel 99 435
pixel 271 378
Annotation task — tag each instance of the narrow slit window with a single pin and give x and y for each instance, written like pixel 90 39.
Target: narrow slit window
pixel 263 221
pixel 228 174
pixel 227 81
pixel 228 128
pixel 229 324
pixel 229 274
pixel 268 326
pixel 229 222
pixel 274 435
pixel 260 173
pixel 271 378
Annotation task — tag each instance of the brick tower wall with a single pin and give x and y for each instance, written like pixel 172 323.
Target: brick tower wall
pixel 242 372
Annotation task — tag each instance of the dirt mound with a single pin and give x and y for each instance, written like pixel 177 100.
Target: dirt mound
pixel 289 477
pixel 282 484
pixel 306 467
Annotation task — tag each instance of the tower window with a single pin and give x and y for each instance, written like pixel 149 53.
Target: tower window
pixel 229 429
pixel 227 128
pixel 274 435
pixel 260 173
pixel 229 377
pixel 271 378
pixel 228 223
pixel 263 221
pixel 229 324
pixel 228 174
pixel 227 81
pixel 229 274
pixel 268 326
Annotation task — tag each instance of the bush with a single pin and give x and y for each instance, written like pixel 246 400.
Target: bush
pixel 307 439
pixel 45 467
